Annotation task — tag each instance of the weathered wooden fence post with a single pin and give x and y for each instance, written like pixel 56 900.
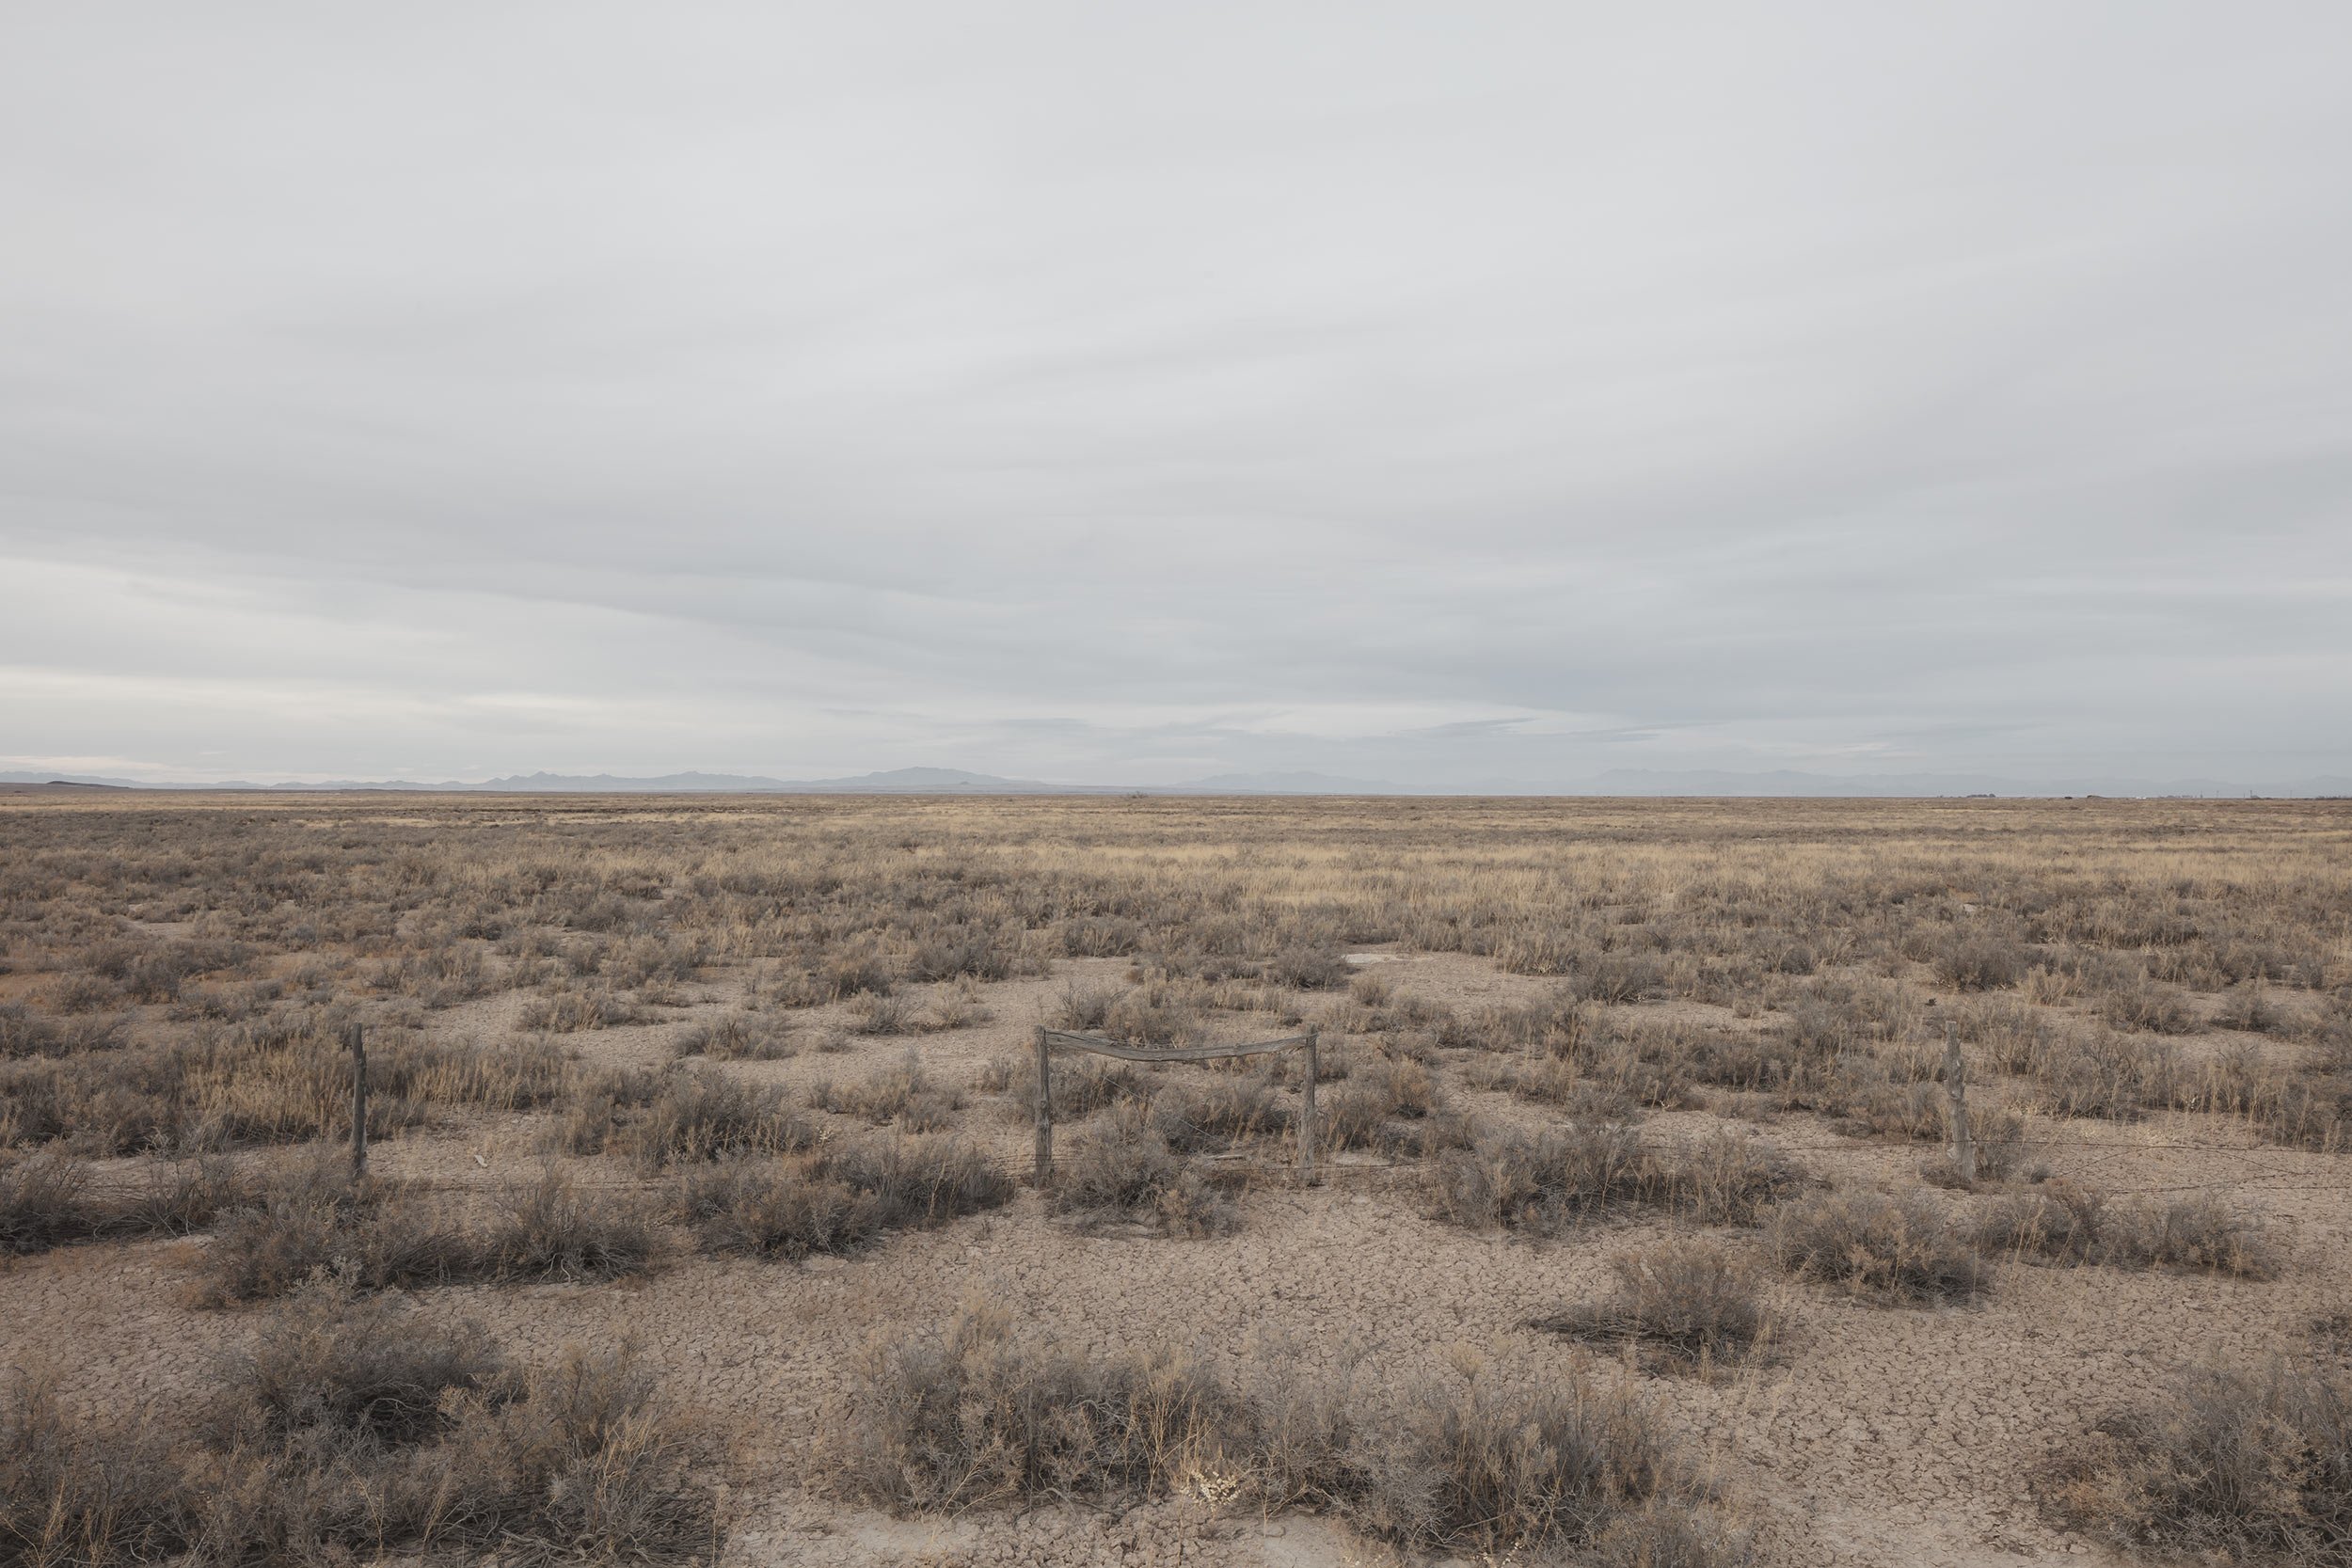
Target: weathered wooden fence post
pixel 1307 1114
pixel 355 1035
pixel 1044 1110
pixel 1956 1086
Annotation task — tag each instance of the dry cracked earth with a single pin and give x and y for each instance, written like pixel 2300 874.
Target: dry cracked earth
pixel 1875 1436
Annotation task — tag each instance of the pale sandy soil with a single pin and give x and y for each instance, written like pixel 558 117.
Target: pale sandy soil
pixel 1880 1437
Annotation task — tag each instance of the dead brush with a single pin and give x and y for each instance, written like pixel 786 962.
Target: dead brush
pixel 1207 1115
pixel 903 1093
pixel 1685 1302
pixel 2149 1006
pixel 1559 1025
pixel 918 1183
pixel 2014 1035
pixel 276 1081
pixel 958 1006
pixel 602 1110
pixel 2253 1009
pixel 1902 1250
pixel 576 1008
pixel 25 1032
pixel 379 1235
pixel 355 1431
pixel 876 1013
pixel 2067 1224
pixel 840 1198
pixel 2225 1465
pixel 1364 1111
pixel 336 1357
pixel 1083 1085
pixel 1082 1009
pixel 692 1115
pixel 1982 963
pixel 1997 1138
pixel 79 1492
pixel 773 1208
pixel 1120 1170
pixel 46 1201
pixel 1372 1007
pixel 1552 1081
pixel 1547 1182
pixel 2302 1106
pixel 970 1415
pixel 2102 1074
pixel 1620 977
pixel 1479 1465
pixel 553 1229
pixel 1646 1066
pixel 1158 1012
pixel 967 1416
pixel 739 1037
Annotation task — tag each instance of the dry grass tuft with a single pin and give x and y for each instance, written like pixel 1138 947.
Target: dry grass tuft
pixel 968 1416
pixel 1121 1169
pixel 2066 1223
pixel 739 1037
pixel 681 1119
pixel 841 1198
pixel 904 1094
pixel 971 1415
pixel 2225 1466
pixel 46 1201
pixel 1479 1465
pixel 1687 1301
pixel 1895 1249
pixel 1546 1183
pixel 355 1431
pixel 378 1235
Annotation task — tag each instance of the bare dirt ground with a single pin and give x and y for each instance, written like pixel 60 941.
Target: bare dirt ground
pixel 1872 1434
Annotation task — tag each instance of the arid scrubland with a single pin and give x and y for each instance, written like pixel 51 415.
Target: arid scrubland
pixel 699 1223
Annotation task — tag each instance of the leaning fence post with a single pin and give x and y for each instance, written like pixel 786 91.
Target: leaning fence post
pixel 1956 1085
pixel 1044 1110
pixel 355 1035
pixel 1307 1114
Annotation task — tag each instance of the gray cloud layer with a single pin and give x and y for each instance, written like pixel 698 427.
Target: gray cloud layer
pixel 1111 392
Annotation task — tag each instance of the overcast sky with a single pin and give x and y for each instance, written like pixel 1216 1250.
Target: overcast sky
pixel 1125 392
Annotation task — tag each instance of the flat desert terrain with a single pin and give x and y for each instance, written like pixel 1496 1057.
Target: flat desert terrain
pixel 700 1220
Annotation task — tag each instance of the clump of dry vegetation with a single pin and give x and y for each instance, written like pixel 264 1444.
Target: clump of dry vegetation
pixel 903 1093
pixel 377 1234
pixel 739 1037
pixel 1902 1249
pixel 48 1201
pixel 972 1416
pixel 2065 1222
pixel 1120 1168
pixel 681 1118
pixel 1687 1302
pixel 1546 1183
pixel 844 1197
pixel 2235 1466
pixel 284 1080
pixel 355 1429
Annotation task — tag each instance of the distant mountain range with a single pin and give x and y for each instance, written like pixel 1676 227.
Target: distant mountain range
pixel 1783 782
pixel 950 780
pixel 897 781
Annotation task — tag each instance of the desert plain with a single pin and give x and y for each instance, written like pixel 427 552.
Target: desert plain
pixel 700 1218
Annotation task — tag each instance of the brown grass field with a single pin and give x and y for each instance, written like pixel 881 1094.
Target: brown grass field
pixel 699 1221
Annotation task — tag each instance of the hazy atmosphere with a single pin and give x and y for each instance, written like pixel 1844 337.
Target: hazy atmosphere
pixel 1491 396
